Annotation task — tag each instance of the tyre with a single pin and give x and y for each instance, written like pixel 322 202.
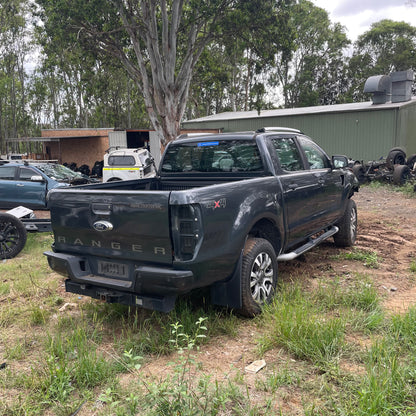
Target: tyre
pixel 13 236
pixel 347 225
pixel 396 157
pixel 411 160
pixel 258 275
pixel 401 174
pixel 359 172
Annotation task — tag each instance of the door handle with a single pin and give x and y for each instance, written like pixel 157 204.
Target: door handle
pixel 293 186
pixel 20 185
pixel 101 209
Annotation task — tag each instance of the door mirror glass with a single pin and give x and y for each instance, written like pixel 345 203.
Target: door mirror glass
pixel 37 178
pixel 339 162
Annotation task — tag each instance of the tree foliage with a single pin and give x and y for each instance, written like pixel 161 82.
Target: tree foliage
pixel 388 46
pixel 14 48
pixel 313 73
pixel 160 42
pixel 232 72
pixel 157 42
pixel 151 63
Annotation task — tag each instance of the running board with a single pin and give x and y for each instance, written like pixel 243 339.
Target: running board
pixel 313 242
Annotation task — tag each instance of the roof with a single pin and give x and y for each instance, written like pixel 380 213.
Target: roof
pixel 320 109
pixel 230 136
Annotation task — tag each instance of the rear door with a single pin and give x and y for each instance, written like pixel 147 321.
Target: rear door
pixel 331 181
pixel 8 193
pixel 300 188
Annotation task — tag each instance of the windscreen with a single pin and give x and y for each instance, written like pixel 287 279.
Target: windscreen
pixel 212 156
pixel 59 173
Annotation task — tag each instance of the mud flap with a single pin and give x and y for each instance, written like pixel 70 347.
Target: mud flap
pixel 228 292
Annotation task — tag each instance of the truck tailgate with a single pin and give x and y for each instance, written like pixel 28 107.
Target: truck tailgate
pixel 130 225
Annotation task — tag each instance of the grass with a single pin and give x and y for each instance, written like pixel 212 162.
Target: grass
pixel 407 189
pixel 413 266
pixel 330 349
pixel 368 258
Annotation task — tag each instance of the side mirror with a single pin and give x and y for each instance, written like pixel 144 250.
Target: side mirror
pixel 339 162
pixel 37 178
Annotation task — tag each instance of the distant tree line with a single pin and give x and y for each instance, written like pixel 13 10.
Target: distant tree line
pixel 151 64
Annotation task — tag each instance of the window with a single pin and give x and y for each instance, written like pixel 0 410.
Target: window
pixel 7 172
pixel 213 156
pixel 316 157
pixel 121 160
pixel 26 174
pixel 288 154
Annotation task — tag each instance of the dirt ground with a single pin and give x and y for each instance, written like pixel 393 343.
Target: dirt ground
pixel 387 227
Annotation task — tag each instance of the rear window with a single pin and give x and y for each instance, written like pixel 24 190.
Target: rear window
pixel 119 160
pixel 7 172
pixel 212 156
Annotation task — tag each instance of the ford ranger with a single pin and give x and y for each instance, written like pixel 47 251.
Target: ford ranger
pixel 221 212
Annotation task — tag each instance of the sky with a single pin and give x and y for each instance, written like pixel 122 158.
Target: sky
pixel 358 15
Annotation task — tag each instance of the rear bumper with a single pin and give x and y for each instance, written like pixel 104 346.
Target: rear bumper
pixel 143 281
pixel 155 303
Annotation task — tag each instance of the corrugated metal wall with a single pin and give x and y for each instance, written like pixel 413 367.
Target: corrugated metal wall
pixel 361 135
pixel 407 128
pixel 117 138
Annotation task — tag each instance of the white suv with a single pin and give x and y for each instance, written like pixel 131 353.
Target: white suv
pixel 127 164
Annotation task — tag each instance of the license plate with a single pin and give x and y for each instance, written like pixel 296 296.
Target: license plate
pixel 113 269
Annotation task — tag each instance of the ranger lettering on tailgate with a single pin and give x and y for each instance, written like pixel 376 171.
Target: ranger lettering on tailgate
pixel 115 245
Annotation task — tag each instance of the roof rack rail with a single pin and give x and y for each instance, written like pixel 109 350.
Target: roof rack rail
pixel 283 129
pixel 189 135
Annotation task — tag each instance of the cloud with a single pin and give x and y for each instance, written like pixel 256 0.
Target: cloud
pixel 353 7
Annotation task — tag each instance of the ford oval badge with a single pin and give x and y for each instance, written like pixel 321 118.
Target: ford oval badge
pixel 103 226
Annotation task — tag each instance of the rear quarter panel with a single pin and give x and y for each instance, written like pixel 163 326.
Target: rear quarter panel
pixel 229 212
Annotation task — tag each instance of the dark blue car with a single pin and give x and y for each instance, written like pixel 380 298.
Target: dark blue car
pixel 28 183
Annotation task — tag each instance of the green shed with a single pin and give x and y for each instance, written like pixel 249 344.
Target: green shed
pixel 362 131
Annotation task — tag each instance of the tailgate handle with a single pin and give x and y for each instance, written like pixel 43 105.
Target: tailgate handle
pixel 101 209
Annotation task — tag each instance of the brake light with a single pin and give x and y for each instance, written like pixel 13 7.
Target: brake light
pixel 186 231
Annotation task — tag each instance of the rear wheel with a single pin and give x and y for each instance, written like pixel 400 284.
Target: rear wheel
pixel 396 157
pixel 258 275
pixel 347 225
pixel 411 161
pixel 359 172
pixel 13 236
pixel 401 174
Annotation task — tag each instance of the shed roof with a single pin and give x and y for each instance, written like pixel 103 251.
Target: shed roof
pixel 320 109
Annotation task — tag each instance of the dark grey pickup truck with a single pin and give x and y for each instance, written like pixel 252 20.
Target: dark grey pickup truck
pixel 221 212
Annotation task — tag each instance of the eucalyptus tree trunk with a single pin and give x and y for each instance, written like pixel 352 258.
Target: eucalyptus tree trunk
pixel 164 79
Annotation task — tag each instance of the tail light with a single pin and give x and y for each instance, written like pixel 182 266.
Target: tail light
pixel 186 231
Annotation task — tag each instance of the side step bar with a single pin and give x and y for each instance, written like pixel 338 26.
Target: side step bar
pixel 312 242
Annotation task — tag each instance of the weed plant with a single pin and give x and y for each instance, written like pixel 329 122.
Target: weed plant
pixel 297 323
